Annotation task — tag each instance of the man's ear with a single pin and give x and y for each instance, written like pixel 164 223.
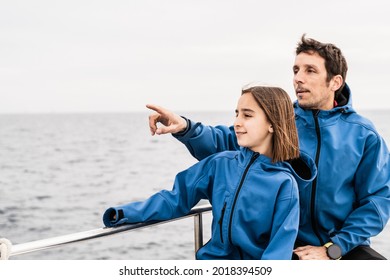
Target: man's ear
pixel 336 82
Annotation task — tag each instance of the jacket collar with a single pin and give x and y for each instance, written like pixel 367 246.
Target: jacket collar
pixel 247 154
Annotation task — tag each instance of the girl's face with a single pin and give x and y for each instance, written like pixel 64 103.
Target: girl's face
pixel 252 128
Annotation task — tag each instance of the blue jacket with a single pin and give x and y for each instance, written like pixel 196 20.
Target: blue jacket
pixel 349 201
pixel 255 204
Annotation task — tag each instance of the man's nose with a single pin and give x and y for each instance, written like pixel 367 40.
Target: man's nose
pixel 298 77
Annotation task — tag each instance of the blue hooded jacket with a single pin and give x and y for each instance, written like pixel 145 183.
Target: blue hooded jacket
pixel 255 203
pixel 349 201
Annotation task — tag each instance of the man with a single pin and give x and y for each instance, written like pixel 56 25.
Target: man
pixel 349 201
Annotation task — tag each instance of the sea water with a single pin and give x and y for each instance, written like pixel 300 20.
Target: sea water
pixel 59 172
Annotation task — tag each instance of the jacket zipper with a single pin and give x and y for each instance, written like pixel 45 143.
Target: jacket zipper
pixel 221 221
pixel 254 157
pixel 314 184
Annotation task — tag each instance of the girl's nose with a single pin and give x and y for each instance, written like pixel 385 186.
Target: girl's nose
pixel 236 123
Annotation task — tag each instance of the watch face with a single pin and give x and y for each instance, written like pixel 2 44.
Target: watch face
pixel 334 252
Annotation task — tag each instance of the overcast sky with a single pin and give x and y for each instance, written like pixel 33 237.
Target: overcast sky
pixel 116 56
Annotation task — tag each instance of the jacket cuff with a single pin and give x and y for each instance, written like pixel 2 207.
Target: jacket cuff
pixel 110 221
pixel 336 240
pixel 191 130
pixel 182 133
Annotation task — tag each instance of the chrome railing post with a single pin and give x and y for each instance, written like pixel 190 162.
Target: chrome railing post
pixel 198 231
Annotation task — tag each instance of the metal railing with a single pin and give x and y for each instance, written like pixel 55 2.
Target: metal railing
pixel 43 244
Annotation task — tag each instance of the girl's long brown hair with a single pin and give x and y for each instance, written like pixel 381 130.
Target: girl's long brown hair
pixel 278 108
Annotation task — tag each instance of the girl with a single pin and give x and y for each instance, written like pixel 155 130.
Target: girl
pixel 253 192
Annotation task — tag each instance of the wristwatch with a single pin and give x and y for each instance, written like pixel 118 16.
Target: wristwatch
pixel 333 251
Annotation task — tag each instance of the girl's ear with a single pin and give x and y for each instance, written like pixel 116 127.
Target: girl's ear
pixel 271 129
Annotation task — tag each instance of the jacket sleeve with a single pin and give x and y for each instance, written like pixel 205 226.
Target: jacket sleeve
pixel 203 141
pixel 372 189
pixel 286 223
pixel 189 188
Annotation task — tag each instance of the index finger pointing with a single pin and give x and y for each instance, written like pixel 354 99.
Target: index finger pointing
pixel 156 108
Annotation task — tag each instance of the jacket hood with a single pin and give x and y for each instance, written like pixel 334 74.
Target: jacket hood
pixel 344 97
pixel 344 100
pixel 303 168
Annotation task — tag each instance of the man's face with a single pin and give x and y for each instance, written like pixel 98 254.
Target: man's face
pixel 311 88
